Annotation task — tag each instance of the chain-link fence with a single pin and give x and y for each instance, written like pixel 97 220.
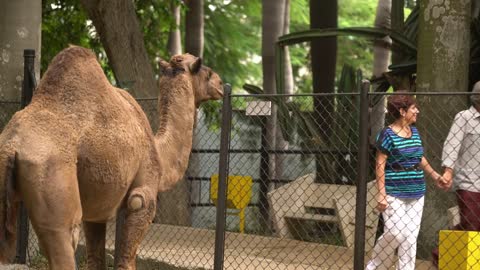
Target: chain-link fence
pixel 304 208
pixel 301 191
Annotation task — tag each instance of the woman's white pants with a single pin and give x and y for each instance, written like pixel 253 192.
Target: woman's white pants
pixel 402 223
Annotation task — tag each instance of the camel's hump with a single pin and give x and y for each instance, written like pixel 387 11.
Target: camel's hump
pixel 72 71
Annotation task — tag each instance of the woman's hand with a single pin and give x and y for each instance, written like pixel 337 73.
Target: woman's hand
pixel 382 203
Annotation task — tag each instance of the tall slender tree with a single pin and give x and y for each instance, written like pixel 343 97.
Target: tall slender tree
pixel 174 205
pixel 281 143
pixel 194 27
pixel 174 38
pixel 397 24
pixel 117 26
pixel 381 60
pixel 323 14
pixel 273 12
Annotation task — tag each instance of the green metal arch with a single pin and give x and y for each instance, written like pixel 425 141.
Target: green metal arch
pixel 309 35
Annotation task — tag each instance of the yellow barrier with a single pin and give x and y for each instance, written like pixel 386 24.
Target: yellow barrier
pixel 459 250
pixel 239 193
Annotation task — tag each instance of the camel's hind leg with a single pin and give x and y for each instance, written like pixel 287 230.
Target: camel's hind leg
pixel 140 211
pixel 95 237
pixel 50 193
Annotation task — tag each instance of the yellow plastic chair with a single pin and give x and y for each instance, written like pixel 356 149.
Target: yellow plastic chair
pixel 239 193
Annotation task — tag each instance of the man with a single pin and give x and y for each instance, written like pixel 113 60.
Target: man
pixel 461 160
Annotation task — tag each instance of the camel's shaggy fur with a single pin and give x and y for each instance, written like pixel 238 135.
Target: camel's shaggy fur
pixel 84 149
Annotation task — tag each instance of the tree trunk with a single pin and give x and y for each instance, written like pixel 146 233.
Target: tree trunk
pixel 174 38
pixel 194 27
pixel 180 196
pixel 442 65
pixel 173 206
pixel 20 28
pixel 288 84
pixel 398 17
pixel 117 25
pixel 281 143
pixel 323 14
pixel 20 25
pixel 381 60
pixel 273 12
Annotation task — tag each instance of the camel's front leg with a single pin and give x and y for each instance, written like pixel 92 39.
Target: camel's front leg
pixel 141 205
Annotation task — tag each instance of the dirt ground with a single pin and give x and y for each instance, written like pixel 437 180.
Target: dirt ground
pixel 41 263
pixel 141 265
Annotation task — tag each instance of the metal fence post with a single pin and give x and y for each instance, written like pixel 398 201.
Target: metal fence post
pixel 361 203
pixel 28 86
pixel 223 178
pixel 28 77
pixel 119 222
pixel 264 177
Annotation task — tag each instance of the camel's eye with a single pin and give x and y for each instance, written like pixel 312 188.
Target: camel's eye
pixel 209 74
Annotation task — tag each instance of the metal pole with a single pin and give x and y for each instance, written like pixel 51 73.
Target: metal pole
pixel 264 177
pixel 361 203
pixel 223 179
pixel 120 221
pixel 28 77
pixel 28 86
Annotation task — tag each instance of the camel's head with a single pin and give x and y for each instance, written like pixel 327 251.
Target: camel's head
pixel 207 84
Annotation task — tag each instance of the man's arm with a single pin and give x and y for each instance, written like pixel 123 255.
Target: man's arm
pixel 451 148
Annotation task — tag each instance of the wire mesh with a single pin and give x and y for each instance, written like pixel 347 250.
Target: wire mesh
pixel 303 182
pixel 292 192
pixel 413 152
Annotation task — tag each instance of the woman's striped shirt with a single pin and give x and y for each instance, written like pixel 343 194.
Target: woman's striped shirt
pixel 403 176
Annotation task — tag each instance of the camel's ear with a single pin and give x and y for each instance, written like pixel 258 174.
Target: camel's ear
pixel 163 65
pixel 196 65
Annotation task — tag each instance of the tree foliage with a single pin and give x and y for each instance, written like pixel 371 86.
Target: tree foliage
pixel 232 36
pixel 63 23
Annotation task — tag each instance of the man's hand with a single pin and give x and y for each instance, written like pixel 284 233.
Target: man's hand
pixel 442 183
pixel 447 179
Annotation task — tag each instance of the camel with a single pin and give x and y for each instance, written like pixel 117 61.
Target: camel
pixel 83 149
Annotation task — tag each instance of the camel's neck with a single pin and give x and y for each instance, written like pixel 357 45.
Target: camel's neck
pixel 175 132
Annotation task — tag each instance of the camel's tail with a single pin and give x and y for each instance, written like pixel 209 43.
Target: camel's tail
pixel 8 208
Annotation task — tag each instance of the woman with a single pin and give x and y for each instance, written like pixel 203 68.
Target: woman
pixel 400 170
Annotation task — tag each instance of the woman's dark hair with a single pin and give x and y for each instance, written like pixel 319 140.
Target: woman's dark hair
pixel 397 102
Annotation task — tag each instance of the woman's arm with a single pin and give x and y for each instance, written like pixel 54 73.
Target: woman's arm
pixel 428 170
pixel 381 159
